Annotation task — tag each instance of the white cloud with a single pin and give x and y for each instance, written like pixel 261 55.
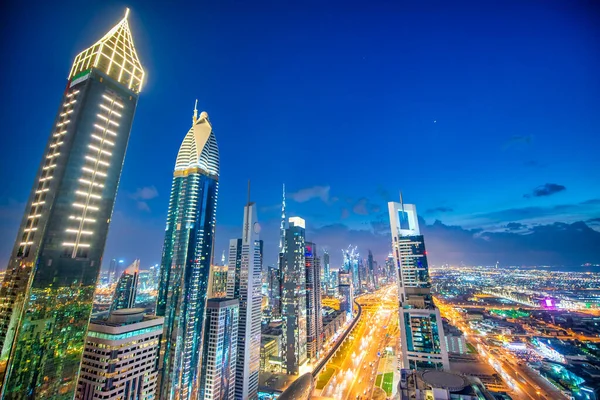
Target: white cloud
pixel 145 193
pixel 142 205
pixel 315 192
pixel 142 195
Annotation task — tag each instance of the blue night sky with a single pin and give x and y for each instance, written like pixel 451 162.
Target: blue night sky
pixel 484 114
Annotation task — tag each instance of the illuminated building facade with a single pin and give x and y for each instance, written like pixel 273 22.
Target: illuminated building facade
pixel 293 298
pixel 120 357
pixel 126 289
pixel 244 284
pixel 390 268
pixel 269 351
pixel 334 287
pixel 326 271
pixel 185 265
pixel 421 330
pixel 112 271
pixel 59 245
pixel 370 270
pixel 277 309
pixel 346 292
pixel 219 281
pixel 351 265
pixel 314 322
pixel 273 277
pixel 218 376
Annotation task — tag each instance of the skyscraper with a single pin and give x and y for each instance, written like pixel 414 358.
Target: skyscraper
pixel 293 298
pixel 218 376
pixel 219 281
pixel 362 274
pixel 282 226
pixel 126 289
pixel 345 289
pixel 326 270
pixel 314 322
pixel 274 290
pixel 234 269
pixel 59 246
pixel 371 269
pixel 244 283
pixel 334 287
pixel 112 271
pixel 351 265
pixel 377 276
pixel 421 330
pixel 390 268
pixel 120 357
pixel 185 265
pixel 277 303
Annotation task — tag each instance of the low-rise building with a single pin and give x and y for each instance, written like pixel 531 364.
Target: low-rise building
pixel 557 350
pixel 332 321
pixel 455 339
pixel 440 385
pixel 219 280
pixel 270 348
pixel 120 358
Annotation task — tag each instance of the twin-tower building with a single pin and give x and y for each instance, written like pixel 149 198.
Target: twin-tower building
pixel 47 294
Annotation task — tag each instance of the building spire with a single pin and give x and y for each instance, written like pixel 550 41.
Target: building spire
pixel 282 226
pixel 248 191
pixel 126 13
pixel 247 217
pixel 195 118
pixel 401 201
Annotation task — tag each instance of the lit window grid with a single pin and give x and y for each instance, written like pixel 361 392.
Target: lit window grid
pixel 117 42
pixel 47 170
pixel 92 172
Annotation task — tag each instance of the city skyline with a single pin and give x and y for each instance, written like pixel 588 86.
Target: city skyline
pixel 331 295
pixel 358 316
pixel 520 138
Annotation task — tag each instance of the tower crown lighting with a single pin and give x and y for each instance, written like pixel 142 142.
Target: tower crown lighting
pixel 114 55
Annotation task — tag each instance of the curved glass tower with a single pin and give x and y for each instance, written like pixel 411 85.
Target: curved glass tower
pixel 185 266
pixel 47 294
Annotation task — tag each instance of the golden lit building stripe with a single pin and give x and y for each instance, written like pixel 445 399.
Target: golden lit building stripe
pixel 114 55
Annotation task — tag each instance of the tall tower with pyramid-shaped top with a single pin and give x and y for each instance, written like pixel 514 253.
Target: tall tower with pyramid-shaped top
pixel 47 294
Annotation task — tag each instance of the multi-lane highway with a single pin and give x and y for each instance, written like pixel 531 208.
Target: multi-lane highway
pixel 357 372
pixel 517 376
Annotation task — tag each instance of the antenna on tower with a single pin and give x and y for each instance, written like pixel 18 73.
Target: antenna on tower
pixel 248 191
pixel 247 217
pixel 401 201
pixel 282 226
